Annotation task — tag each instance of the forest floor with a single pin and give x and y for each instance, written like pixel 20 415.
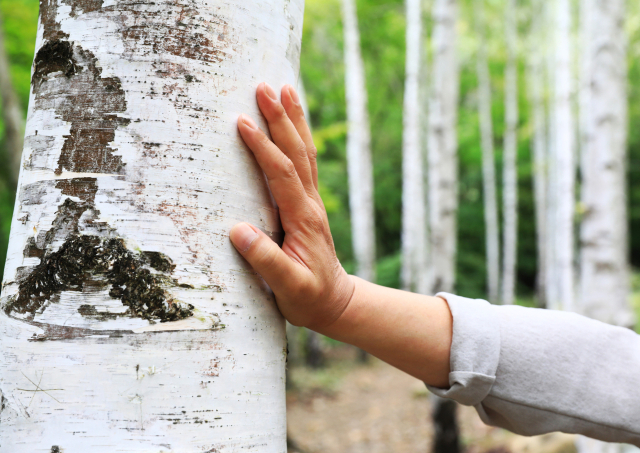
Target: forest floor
pixel 348 407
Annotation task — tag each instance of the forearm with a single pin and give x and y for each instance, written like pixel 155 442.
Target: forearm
pixel 409 331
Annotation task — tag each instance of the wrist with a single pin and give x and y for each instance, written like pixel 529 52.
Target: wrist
pixel 344 327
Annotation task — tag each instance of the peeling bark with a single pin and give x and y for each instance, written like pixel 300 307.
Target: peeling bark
pixel 128 320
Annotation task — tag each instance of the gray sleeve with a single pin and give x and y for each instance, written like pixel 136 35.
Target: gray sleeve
pixel 535 371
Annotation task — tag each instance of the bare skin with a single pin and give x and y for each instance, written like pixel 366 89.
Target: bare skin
pixel 409 331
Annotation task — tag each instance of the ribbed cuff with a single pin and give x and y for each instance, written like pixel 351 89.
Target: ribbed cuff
pixel 475 350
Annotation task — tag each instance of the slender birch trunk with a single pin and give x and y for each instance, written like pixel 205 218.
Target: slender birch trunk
pixel 510 172
pixel 536 78
pixel 128 320
pixel 415 269
pixel 563 189
pixel 358 148
pixel 12 114
pixel 442 152
pixel 488 156
pixel 443 146
pixel 605 286
pixel 552 275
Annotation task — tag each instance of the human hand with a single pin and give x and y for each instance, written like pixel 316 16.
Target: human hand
pixel 311 287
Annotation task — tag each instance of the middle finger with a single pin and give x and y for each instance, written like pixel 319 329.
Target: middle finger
pixel 284 134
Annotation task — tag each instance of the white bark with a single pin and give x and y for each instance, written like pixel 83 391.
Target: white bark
pixel 551 284
pixel 442 146
pixel 12 113
pixel 488 157
pixel 564 165
pixel 129 322
pixel 510 155
pixel 536 77
pixel 415 269
pixel 605 286
pixel 359 164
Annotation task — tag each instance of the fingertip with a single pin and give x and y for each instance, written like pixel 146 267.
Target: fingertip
pixel 242 236
pixel 293 94
pixel 245 120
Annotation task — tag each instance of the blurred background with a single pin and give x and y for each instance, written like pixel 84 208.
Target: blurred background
pixel 527 89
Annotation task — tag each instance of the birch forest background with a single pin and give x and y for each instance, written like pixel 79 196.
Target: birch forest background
pixel 486 147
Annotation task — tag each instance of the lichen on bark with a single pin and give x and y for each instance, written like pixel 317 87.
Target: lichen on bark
pixel 89 262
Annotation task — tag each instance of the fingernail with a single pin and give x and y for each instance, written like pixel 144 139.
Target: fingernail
pixel 248 121
pixel 272 94
pixel 242 236
pixel 294 95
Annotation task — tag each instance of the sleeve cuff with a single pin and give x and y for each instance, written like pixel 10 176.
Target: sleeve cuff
pixel 475 350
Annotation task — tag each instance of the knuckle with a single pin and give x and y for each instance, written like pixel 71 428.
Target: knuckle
pixel 301 149
pixel 316 222
pixel 312 152
pixel 288 168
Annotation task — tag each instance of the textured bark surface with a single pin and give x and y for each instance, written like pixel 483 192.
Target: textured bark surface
pixel 129 322
pixel 443 145
pixel 605 286
pixel 359 163
pixel 12 114
pixel 562 189
pixel 536 80
pixel 488 157
pixel 510 156
pixel 415 269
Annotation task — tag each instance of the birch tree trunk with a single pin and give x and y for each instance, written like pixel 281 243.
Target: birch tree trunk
pixel 536 77
pixel 605 286
pixel 564 157
pixel 415 266
pixel 510 172
pixel 443 146
pixel 359 164
pixel 12 113
pixel 442 152
pixel 604 261
pixel 552 274
pixel 129 322
pixel 488 156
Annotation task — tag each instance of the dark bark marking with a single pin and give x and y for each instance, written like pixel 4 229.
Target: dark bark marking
pixel 68 79
pixel 48 13
pixel 54 56
pixel 84 262
pixel 91 104
pixel 55 449
pixel 177 29
pixel 83 6
pixel 82 258
pixel 83 188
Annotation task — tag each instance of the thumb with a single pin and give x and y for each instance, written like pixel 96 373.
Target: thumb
pixel 266 257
